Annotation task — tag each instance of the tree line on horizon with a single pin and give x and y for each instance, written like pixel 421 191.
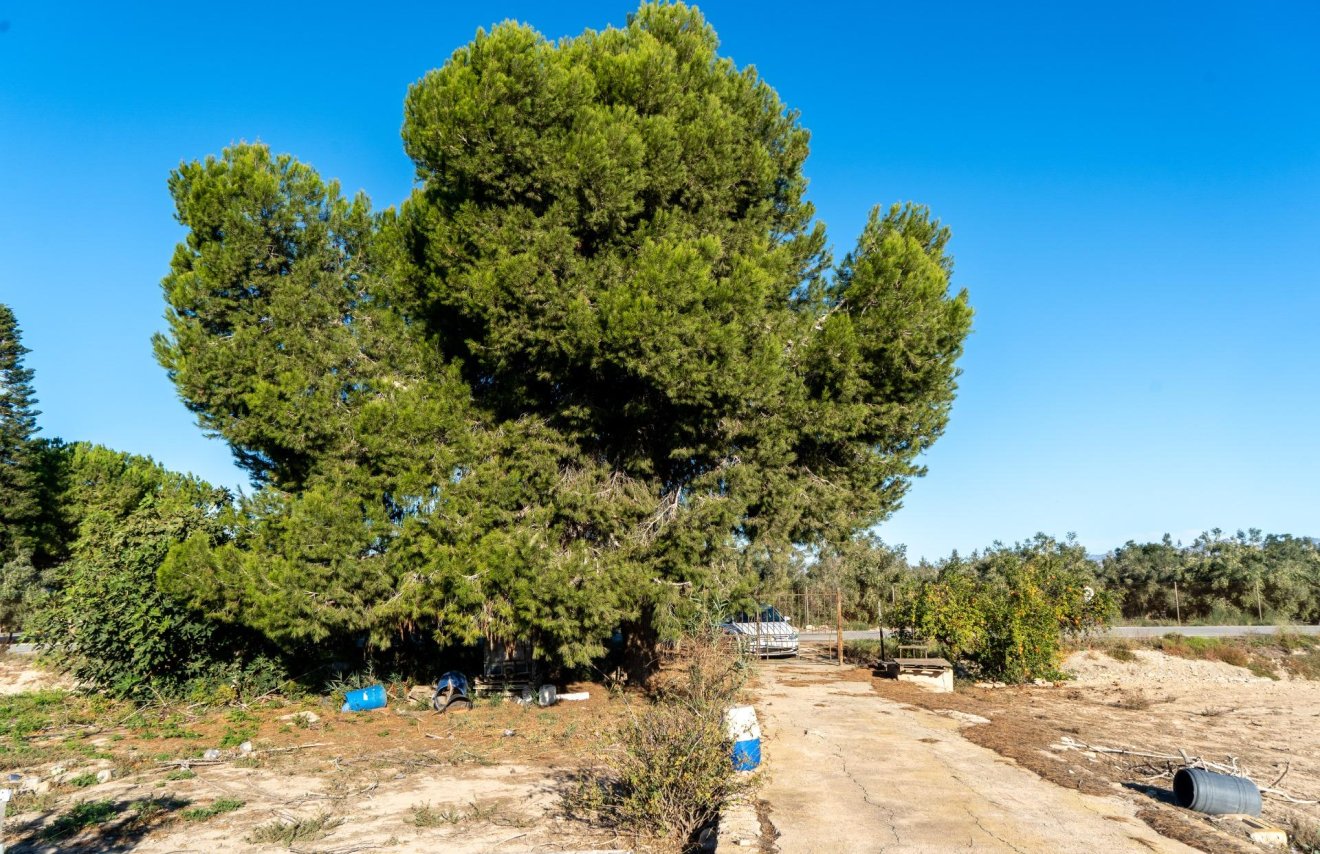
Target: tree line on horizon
pixel 1248 577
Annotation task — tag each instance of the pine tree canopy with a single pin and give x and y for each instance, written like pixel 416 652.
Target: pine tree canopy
pixel 599 363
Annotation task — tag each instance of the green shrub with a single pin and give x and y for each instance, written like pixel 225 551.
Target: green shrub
pixel 671 776
pixel 106 620
pixel 865 651
pixel 1008 610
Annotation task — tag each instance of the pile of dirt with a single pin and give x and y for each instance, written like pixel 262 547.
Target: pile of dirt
pixel 1155 671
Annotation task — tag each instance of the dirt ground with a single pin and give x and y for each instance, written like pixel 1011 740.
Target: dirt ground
pixel 853 771
pixel 18 676
pixel 1153 704
pixel 395 779
pixel 406 779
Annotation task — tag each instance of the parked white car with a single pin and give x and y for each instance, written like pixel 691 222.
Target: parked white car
pixel 772 635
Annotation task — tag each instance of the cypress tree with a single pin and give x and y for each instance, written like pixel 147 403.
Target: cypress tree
pixel 20 484
pixel 19 477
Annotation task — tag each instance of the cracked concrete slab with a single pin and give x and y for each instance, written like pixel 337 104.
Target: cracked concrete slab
pixel 852 771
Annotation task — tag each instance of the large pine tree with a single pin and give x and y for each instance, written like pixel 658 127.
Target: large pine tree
pixel 598 364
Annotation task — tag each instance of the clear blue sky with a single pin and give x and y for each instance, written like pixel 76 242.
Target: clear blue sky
pixel 1134 190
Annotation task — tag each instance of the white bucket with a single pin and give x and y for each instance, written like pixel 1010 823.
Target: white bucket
pixel 740 723
pixel 745 733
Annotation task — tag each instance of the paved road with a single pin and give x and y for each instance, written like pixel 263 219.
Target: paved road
pixel 852 771
pixel 1119 632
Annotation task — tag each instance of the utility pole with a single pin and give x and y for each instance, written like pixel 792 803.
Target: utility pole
pixel 1260 613
pixel 1177 608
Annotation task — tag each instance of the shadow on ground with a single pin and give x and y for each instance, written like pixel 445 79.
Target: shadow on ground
pixel 94 826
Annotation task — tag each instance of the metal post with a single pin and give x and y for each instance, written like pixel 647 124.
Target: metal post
pixel 758 627
pixel 838 620
pixel 4 802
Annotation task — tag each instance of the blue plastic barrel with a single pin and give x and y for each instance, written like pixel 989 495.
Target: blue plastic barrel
pixel 745 733
pixel 1215 794
pixel 365 699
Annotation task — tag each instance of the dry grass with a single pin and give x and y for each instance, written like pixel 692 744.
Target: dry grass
pixel 493 812
pixel 1258 656
pixel 1303 666
pixel 1134 702
pixel 1303 833
pixel 1120 651
pixel 671 772
pixel 290 831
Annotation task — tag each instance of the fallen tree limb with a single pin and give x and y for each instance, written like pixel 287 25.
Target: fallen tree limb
pixel 1196 762
pixel 295 747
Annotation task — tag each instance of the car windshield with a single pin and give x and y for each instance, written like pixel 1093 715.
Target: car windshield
pixel 769 614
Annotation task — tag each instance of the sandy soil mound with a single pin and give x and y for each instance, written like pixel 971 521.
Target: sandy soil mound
pixel 1154 670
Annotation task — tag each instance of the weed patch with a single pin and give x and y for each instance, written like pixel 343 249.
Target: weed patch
pixel 1237 652
pixel 81 816
pixel 1134 702
pixel 864 652
pixel 449 816
pixel 22 715
pixel 673 771
pixel 219 807
pixel 147 810
pixel 1305 666
pixel 1120 652
pixel 294 830
pixel 32 802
